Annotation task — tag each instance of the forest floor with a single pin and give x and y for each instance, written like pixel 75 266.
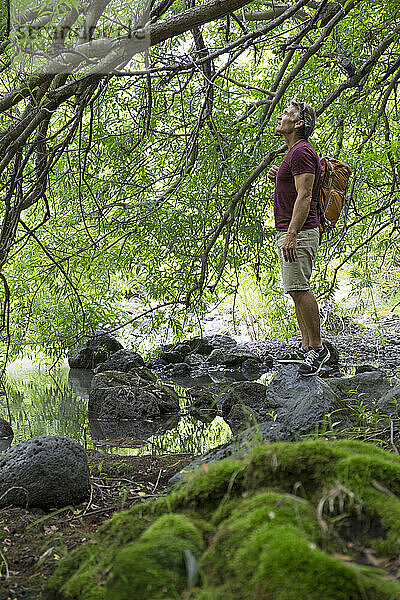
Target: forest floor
pixel 33 541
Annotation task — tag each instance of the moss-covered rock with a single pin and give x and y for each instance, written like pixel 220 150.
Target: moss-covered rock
pixel 271 526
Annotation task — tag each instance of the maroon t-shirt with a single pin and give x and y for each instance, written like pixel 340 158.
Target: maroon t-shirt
pixel 301 158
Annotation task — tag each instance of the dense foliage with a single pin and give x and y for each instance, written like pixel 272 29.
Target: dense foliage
pixel 144 173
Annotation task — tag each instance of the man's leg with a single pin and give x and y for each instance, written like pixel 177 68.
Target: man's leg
pixel 308 318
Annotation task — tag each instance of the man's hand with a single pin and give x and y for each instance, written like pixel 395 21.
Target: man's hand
pixel 289 247
pixel 273 170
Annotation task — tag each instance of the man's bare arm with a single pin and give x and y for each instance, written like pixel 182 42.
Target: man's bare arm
pixel 304 186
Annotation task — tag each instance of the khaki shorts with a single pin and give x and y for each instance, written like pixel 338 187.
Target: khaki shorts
pixel 296 275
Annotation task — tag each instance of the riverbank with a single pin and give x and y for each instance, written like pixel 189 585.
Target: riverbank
pixel 32 541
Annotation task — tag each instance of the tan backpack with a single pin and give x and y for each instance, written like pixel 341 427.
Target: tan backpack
pixel 335 179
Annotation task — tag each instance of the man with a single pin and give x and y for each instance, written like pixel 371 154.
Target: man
pixel 297 183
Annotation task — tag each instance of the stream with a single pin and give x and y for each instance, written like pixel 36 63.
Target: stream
pixel 39 402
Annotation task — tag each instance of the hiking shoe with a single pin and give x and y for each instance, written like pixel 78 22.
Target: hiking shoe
pixel 292 355
pixel 314 360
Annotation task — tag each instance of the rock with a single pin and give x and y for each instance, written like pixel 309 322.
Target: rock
pixel 194 359
pixel 179 370
pixel 253 526
pixel 252 368
pixel 232 357
pixel 205 345
pixel 203 403
pixel 5 443
pixel 117 396
pixel 365 387
pixel 123 361
pixel 136 373
pixel 389 404
pixel 6 435
pixel 241 417
pixel 204 398
pixel 5 429
pixel 183 349
pixel 47 471
pixel 171 357
pixel 247 393
pixel 266 358
pixel 334 354
pixel 288 407
pixel 93 351
pixel 365 369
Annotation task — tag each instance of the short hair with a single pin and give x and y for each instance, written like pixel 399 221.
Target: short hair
pixel 307 114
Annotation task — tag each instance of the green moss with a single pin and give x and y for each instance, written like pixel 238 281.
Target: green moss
pixel 261 517
pixel 155 566
pixel 284 565
pixel 206 487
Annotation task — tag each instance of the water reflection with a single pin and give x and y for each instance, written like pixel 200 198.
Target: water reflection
pixel 43 403
pixel 5 443
pixel 144 429
pixel 79 380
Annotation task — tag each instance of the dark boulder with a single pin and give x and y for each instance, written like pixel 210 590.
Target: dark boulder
pixel 171 357
pixel 117 396
pixel 203 403
pixel 183 349
pixel 6 435
pixel 194 360
pixel 334 354
pixel 247 393
pixel 231 357
pixel 47 471
pixel 123 361
pixel 5 429
pixel 205 345
pixel 365 369
pixel 179 370
pixel 364 388
pixel 241 417
pixel 389 404
pixel 93 351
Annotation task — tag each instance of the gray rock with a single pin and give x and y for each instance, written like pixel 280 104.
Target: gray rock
pixel 231 357
pixel 6 435
pixel 183 349
pixel 389 404
pixel 5 443
pixel 93 350
pixel 171 357
pixel 203 403
pixel 247 393
pixel 241 417
pixel 47 471
pixel 123 361
pixel 365 369
pixel 5 429
pixel 194 359
pixel 179 369
pixel 289 406
pixel 203 398
pixel 365 387
pixel 334 354
pixel 117 396
pixel 205 345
